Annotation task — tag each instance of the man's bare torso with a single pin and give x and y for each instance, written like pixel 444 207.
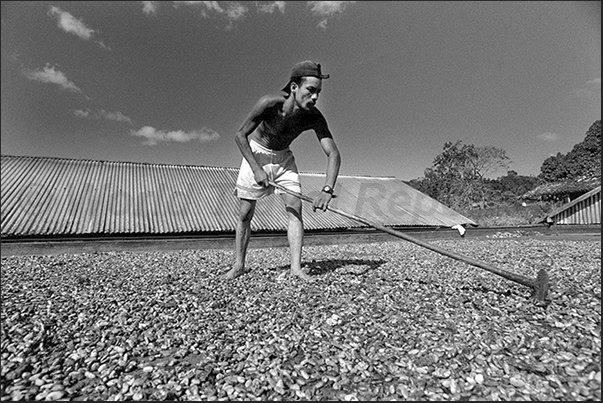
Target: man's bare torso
pixel 277 130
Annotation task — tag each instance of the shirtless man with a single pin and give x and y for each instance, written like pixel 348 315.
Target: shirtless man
pixel 264 139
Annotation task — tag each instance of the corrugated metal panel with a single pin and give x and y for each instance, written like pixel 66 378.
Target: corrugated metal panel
pixel 586 209
pixel 56 196
pixel 563 188
pixel 385 200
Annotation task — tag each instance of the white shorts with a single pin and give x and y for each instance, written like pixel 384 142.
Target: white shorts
pixel 280 167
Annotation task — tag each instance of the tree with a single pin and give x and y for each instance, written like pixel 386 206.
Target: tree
pixel 507 188
pixel 517 184
pixel 458 177
pixel 584 160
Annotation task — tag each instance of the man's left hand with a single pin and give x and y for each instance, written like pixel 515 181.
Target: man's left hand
pixel 321 202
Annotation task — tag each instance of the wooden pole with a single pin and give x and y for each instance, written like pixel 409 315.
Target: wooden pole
pixel 540 285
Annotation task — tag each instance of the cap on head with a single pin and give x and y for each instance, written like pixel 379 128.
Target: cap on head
pixel 306 68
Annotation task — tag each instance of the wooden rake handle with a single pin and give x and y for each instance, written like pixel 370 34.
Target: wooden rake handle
pixel 539 285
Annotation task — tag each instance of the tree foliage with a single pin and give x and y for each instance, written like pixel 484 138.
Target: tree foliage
pixel 506 189
pixel 459 175
pixel 583 161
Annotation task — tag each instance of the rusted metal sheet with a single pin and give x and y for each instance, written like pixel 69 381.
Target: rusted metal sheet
pixel 586 209
pixel 57 196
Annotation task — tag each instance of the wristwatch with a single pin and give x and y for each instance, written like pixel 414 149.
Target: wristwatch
pixel 328 189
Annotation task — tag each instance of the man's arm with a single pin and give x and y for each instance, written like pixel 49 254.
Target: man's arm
pixel 333 163
pixel 250 123
pixel 333 160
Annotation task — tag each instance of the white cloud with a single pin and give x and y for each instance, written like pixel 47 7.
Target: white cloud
pixel 81 113
pixel 548 136
pixel 234 10
pixel 154 136
pixel 116 116
pixel 72 25
pixel 51 76
pixel 327 9
pixel 590 90
pixel 150 7
pixel 270 6
pixel 237 10
pixel 103 114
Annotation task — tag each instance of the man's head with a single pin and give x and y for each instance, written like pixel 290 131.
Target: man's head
pixel 307 68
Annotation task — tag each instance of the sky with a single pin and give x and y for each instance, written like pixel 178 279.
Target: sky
pixel 171 82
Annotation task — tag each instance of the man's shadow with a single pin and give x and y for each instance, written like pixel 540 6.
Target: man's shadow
pixel 355 267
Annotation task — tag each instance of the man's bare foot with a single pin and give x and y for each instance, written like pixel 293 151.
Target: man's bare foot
pixel 235 272
pixel 301 274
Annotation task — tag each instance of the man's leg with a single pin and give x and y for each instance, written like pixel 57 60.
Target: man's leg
pixel 295 234
pixel 242 235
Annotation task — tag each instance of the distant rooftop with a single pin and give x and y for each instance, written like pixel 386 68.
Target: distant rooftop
pixel 562 188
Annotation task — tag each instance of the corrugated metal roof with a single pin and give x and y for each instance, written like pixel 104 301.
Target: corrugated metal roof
pixel 59 196
pixel 562 188
pixel 586 209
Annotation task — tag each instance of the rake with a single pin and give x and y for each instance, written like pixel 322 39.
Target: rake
pixel 539 285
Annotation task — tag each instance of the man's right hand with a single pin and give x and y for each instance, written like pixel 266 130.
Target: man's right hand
pixel 261 177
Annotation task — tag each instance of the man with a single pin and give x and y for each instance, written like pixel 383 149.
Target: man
pixel 264 139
